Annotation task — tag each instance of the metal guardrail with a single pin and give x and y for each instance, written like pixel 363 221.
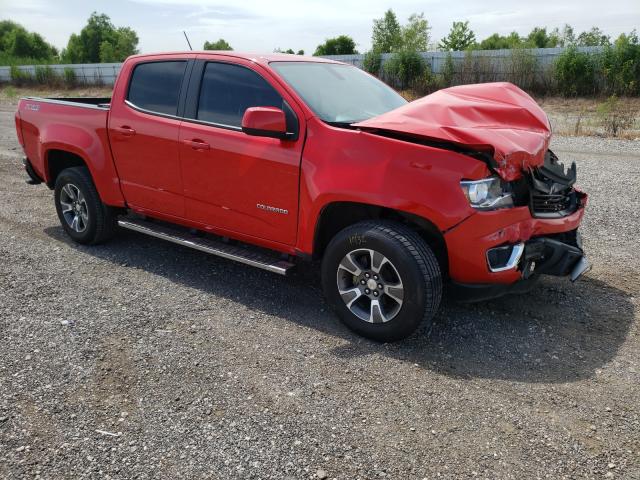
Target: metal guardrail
pixel 497 59
pixel 89 73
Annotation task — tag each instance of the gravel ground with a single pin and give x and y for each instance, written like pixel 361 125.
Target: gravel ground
pixel 141 359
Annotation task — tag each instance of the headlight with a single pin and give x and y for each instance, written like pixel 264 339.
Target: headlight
pixel 486 194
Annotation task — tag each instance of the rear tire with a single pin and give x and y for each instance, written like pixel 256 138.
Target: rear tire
pixel 381 279
pixel 81 212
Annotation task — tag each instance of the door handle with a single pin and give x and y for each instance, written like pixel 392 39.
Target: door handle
pixel 197 144
pixel 125 131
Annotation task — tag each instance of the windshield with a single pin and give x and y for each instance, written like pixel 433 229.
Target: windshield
pixel 339 93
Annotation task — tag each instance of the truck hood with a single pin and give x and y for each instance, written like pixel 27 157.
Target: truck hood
pixel 497 118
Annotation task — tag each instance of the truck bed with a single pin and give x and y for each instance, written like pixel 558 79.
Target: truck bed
pixel 74 125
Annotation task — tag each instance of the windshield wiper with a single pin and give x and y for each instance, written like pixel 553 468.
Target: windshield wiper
pixel 341 124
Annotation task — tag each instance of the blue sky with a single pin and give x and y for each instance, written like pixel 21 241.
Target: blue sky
pixel 260 26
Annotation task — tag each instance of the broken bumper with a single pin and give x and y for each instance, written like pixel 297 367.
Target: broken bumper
pixel 509 245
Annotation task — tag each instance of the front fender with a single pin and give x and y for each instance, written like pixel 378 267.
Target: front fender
pixel 341 165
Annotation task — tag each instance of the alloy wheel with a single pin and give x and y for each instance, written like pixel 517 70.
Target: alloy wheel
pixel 74 208
pixel 370 285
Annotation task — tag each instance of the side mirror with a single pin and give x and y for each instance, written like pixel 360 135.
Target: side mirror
pixel 265 122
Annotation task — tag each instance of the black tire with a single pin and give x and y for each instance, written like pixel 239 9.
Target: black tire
pixel 411 259
pixel 99 219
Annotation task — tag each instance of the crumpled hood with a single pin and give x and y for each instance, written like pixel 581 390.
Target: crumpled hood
pixel 498 118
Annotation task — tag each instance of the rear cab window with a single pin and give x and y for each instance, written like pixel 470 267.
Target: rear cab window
pixel 155 86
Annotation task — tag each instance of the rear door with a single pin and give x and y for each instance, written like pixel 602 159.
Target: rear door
pixel 144 125
pixel 233 181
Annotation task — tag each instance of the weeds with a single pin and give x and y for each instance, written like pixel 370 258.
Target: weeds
pixel 10 92
pixel 615 117
pixel 404 68
pixel 20 77
pixel 70 78
pixel 372 62
pixel 45 75
pixel 574 73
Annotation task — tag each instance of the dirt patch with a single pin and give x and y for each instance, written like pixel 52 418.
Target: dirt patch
pixel 579 116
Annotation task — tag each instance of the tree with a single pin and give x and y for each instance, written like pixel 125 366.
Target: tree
pixel 593 38
pixel 341 45
pixel 460 37
pixel 221 44
pixel 566 37
pixel 121 47
pixel 290 51
pixel 387 33
pixel 100 41
pixel 539 38
pixel 499 42
pixel 16 41
pixel 19 44
pixel 415 34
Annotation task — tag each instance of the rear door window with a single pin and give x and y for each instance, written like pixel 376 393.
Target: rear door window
pixel 155 86
pixel 228 90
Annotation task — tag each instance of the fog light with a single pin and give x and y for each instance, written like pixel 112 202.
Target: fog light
pixel 505 257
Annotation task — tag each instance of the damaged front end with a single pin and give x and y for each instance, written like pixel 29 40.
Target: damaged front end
pixel 556 254
pixel 527 212
pixel 548 191
pixel 505 250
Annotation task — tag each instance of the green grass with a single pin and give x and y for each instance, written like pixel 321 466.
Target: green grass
pixel 8 60
pixel 10 92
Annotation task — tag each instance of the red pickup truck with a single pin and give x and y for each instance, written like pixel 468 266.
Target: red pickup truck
pixel 270 159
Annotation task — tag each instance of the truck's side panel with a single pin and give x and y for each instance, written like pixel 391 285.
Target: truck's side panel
pixel 77 129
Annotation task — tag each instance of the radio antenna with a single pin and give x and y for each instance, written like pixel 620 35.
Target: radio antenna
pixel 185 36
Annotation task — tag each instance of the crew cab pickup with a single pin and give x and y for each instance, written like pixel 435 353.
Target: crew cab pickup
pixel 269 160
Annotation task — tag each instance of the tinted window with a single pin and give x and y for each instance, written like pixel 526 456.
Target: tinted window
pixel 228 90
pixel 156 86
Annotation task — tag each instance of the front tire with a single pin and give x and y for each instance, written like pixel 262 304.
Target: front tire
pixel 81 212
pixel 381 279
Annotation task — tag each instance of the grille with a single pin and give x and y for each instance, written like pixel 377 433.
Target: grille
pixel 551 193
pixel 552 203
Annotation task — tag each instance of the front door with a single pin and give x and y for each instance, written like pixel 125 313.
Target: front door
pixel 233 181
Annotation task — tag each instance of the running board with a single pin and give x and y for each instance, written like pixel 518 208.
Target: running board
pixel 247 256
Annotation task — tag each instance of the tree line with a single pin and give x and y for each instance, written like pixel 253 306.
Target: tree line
pixel 616 70
pixel 101 41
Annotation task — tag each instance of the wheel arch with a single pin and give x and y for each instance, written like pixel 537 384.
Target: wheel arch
pixel 336 216
pixel 58 156
pixel 56 160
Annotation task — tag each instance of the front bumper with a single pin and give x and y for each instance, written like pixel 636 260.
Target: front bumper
pixel 545 243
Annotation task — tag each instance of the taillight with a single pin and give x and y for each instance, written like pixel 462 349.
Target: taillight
pixel 19 128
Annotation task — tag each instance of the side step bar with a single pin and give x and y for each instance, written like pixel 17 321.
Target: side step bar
pixel 248 256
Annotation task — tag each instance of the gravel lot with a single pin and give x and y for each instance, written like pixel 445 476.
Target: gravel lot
pixel 142 359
